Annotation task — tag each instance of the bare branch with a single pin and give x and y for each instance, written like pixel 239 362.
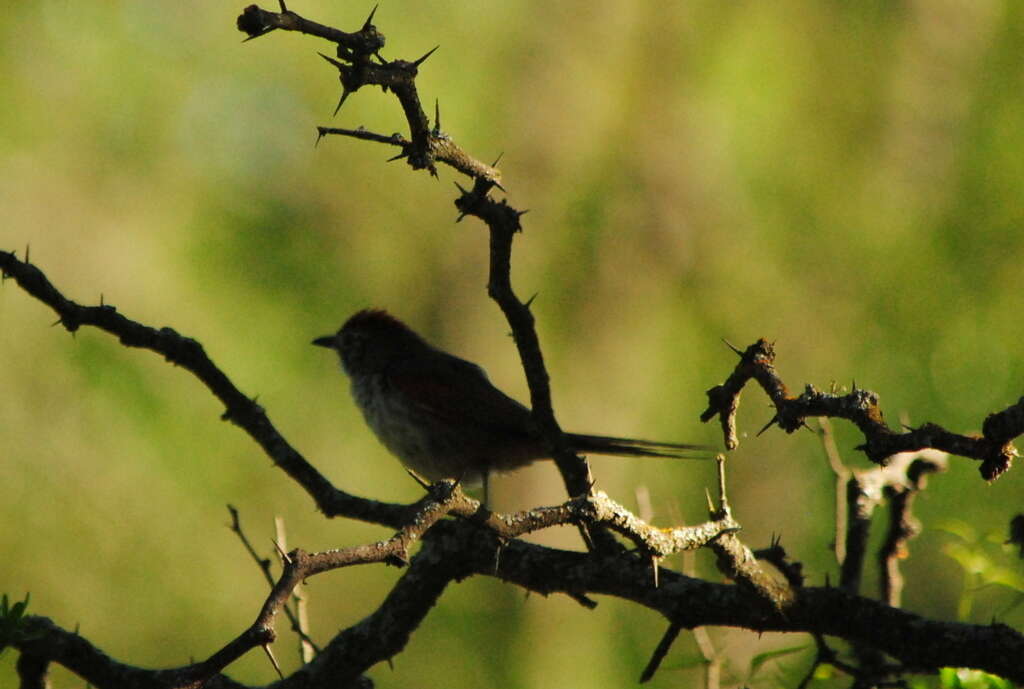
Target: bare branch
pixel 994 447
pixel 903 526
pixel 356 69
pixel 187 353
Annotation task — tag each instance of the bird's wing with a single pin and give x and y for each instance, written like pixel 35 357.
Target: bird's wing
pixel 457 391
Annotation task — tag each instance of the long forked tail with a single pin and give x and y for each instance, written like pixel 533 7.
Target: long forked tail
pixel 634 447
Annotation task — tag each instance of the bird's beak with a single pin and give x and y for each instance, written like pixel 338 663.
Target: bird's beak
pixel 325 341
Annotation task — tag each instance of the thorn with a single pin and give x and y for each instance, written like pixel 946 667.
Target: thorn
pixel 320 133
pixel 711 505
pixel 344 96
pixel 464 192
pixel 369 20
pixel 264 32
pixel 723 501
pixel 585 534
pixel 498 159
pixel 768 425
pixel 273 660
pixel 437 115
pixel 419 62
pixel 101 298
pixel 498 184
pixel 417 479
pixel 391 664
pixel 529 301
pixel 403 154
pixel 654 564
pixel 283 8
pixel 57 322
pixel 459 219
pixel 336 63
pixel 733 347
pixel 380 57
pixel 497 557
pixel 26 255
pixel 284 556
pixel 520 214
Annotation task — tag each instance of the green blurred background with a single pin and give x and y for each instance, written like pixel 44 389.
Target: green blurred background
pixel 842 178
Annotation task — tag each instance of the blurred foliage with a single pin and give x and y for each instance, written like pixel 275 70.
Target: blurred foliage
pixel 958 678
pixel 844 179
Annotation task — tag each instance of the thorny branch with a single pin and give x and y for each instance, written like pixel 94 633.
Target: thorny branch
pixel 294 617
pixel 189 354
pixel 503 222
pixel 859 494
pixel 356 68
pixel 994 447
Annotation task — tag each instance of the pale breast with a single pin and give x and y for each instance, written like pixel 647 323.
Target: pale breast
pixel 432 449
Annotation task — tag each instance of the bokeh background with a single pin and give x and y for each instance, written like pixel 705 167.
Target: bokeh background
pixel 845 179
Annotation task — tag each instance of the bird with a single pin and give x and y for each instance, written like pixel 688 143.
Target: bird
pixel 441 416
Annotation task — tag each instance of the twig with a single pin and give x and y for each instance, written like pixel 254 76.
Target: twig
pixel 903 526
pixel 356 69
pixel 503 222
pixel 300 617
pixel 738 562
pixel 659 652
pixel 994 447
pixel 842 477
pixel 865 491
pixel 189 354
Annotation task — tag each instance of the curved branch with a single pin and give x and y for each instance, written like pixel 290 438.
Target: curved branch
pixel 921 644
pixel 456 549
pixel 994 447
pixel 356 69
pixel 190 355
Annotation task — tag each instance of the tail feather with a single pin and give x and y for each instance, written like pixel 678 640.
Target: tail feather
pixel 634 447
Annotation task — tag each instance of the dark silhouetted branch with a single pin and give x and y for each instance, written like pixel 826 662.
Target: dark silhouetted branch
pixel 994 447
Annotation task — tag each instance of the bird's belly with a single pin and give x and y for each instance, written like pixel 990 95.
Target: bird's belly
pixel 431 448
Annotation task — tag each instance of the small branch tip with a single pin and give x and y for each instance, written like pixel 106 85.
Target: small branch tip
pixel 368 24
pixel 340 65
pixel 341 101
pixel 733 347
pixel 419 62
pixel 273 660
